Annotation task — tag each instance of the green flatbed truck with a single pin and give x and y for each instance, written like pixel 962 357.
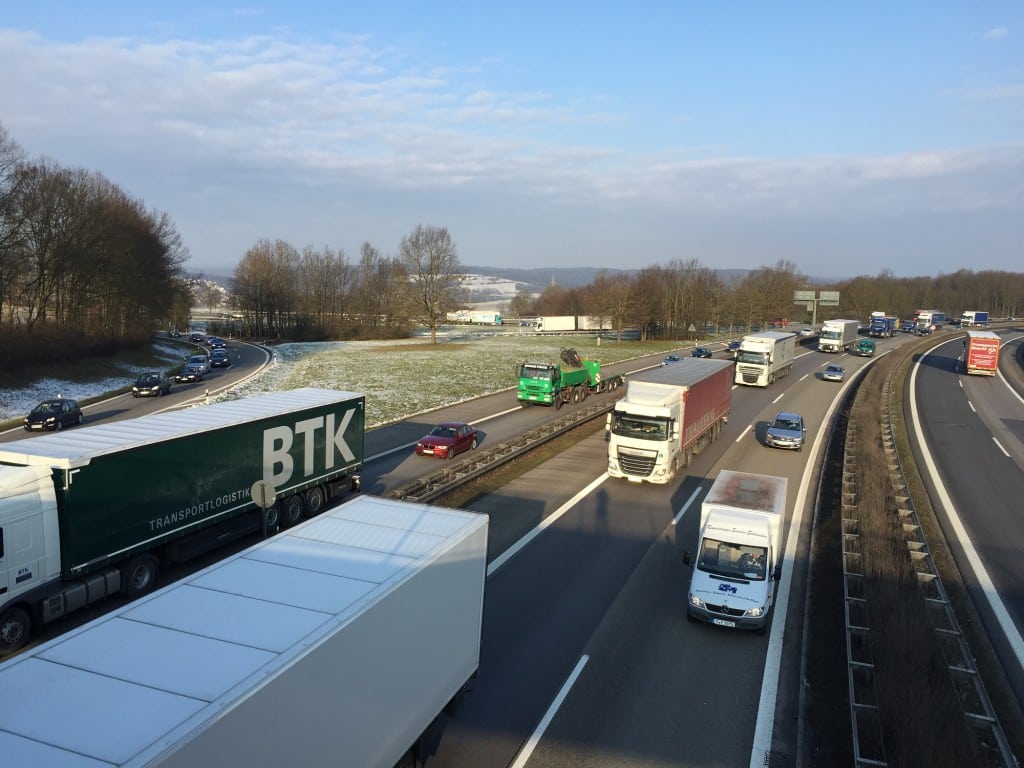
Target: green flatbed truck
pixel 96 513
pixel 570 381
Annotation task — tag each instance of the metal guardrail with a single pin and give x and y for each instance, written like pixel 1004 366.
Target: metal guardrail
pixel 865 719
pixel 479 463
pixel 990 740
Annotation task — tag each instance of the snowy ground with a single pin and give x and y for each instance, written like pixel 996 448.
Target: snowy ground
pixel 399 378
pixel 15 403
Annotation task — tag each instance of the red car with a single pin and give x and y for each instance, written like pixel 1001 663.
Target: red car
pixel 447 439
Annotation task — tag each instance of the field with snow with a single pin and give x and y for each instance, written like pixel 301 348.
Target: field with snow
pixel 399 378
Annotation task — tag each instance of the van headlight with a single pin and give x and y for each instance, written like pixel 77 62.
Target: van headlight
pixel 754 613
pixel 696 602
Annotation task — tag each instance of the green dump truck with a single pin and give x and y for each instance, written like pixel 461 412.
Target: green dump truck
pixel 569 381
pixel 95 515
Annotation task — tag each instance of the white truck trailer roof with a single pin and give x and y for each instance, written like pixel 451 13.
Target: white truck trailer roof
pixel 323 643
pixel 655 386
pixel 74 448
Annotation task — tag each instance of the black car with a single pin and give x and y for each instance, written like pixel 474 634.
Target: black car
pixel 700 352
pixel 151 384
pixel 190 372
pixel 54 415
pixel 216 342
pixel 220 358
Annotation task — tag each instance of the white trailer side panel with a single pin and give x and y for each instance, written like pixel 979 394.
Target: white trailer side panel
pixel 334 643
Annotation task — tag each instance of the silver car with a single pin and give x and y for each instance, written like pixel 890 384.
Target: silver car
pixel 833 372
pixel 787 430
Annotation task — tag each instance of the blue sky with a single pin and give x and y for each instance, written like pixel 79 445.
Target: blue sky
pixel 845 138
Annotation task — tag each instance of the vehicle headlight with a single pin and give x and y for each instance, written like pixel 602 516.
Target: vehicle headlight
pixel 754 613
pixel 696 602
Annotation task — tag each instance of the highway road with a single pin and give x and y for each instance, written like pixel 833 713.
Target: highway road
pixel 587 658
pixel 971 448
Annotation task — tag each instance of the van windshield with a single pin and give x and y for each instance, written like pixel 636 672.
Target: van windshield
pixel 723 558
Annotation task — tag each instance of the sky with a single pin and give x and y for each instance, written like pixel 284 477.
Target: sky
pixel 843 138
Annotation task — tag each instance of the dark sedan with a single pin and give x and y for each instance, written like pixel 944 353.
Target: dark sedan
pixel 152 384
pixel 54 415
pixel 447 439
pixel 700 352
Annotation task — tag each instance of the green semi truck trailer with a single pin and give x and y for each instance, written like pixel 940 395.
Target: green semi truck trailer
pixel 88 515
pixel 570 381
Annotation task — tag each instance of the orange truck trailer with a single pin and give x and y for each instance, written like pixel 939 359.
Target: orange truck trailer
pixel 981 353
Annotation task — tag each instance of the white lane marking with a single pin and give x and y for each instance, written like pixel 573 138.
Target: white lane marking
pixel 686 506
pixel 535 737
pixel 551 519
pixel 1000 447
pixel 778 398
pixel 806 375
pixel 744 432
pixel 971 406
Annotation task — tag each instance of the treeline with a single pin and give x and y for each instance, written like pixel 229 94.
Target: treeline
pixel 667 300
pixel 84 268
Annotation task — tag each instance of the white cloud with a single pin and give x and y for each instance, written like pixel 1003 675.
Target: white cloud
pixel 996 33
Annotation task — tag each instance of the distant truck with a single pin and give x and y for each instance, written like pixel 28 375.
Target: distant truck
pixel 864 348
pixel 738 552
pixel 571 323
pixel 335 643
pixel 908 326
pixel 570 381
pixel 668 415
pixel 981 353
pixel 475 317
pixel 882 326
pixel 929 320
pixel 84 519
pixel 973 317
pixel 764 357
pixel 837 335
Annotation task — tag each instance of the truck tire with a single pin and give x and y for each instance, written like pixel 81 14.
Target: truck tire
pixel 316 500
pixel 557 402
pixel 15 630
pixel 139 576
pixel 292 510
pixel 272 516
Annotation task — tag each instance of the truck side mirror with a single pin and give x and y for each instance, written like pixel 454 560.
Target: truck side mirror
pixel 687 559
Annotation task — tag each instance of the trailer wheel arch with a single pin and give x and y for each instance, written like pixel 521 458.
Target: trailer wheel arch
pixel 292 510
pixel 316 500
pixel 139 575
pixel 15 629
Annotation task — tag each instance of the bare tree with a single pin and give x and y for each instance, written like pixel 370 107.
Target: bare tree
pixel 429 256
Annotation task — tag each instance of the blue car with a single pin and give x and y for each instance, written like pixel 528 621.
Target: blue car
pixel 669 359
pixel 700 352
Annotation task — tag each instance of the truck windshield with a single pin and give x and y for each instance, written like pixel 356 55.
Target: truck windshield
pixel 531 371
pixel 830 334
pixel 724 558
pixel 753 358
pixel 642 427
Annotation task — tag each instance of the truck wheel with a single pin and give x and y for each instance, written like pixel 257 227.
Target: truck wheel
pixel 15 630
pixel 139 576
pixel 557 402
pixel 315 501
pixel 272 516
pixel 292 510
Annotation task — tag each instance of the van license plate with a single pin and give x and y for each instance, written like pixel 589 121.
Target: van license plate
pixel 723 623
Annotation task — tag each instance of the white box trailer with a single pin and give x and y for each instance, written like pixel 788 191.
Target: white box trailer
pixel 838 335
pixel 335 643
